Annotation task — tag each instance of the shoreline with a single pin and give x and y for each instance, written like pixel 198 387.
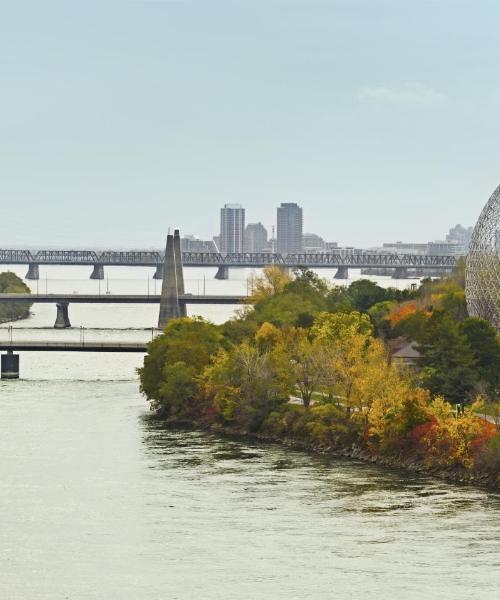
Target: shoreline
pixel 451 474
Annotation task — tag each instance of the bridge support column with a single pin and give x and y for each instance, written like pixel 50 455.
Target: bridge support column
pixel 10 365
pixel 33 271
pixel 169 301
pixel 159 272
pixel 179 274
pixel 62 319
pixel 400 273
pixel 222 273
pixel 97 272
pixel 342 273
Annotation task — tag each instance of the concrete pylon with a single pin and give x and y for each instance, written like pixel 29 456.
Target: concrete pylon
pixel 169 302
pixel 179 271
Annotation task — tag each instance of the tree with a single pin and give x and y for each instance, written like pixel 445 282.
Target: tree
pixel 245 383
pixel 365 293
pixel 454 304
pixel 483 341
pixel 10 283
pixel 190 341
pixel 448 365
pixel 273 281
pixel 379 314
pixel 304 362
pixel 177 391
pixel 335 326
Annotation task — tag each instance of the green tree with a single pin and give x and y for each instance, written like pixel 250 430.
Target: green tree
pixel 447 361
pixel 454 304
pixel 379 315
pixel 365 293
pixel 10 283
pixel 483 341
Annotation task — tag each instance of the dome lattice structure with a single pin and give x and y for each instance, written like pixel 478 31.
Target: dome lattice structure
pixel 482 273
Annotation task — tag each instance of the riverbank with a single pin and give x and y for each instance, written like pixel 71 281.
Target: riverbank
pixel 453 474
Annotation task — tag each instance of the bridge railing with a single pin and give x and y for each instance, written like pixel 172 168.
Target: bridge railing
pixel 84 257
pixel 110 257
pixel 14 257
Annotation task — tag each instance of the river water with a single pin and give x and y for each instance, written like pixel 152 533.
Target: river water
pixel 99 501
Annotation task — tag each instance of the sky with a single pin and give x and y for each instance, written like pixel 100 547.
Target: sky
pixel 120 120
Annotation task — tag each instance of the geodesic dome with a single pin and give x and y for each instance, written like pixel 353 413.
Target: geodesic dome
pixel 482 272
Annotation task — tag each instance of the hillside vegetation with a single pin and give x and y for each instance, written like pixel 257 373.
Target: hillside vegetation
pixel 10 283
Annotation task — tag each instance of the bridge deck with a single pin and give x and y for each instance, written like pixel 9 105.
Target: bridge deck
pixel 39 346
pixel 117 299
pixel 152 258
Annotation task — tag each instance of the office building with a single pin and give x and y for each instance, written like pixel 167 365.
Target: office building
pixel 232 228
pixel 289 234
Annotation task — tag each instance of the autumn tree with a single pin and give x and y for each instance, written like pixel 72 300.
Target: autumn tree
pixel 184 348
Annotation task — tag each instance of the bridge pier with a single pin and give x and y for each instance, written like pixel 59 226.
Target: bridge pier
pixel 159 271
pixel 97 272
pixel 62 318
pixel 10 365
pixel 342 273
pixel 169 300
pixel 222 273
pixel 179 274
pixel 33 272
pixel 400 273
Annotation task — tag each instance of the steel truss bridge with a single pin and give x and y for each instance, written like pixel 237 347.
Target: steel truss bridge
pixel 214 259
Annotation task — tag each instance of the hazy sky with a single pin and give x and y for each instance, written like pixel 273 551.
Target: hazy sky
pixel 120 119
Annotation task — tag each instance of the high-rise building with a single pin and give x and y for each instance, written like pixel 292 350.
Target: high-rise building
pixel 232 228
pixel 255 237
pixel 289 235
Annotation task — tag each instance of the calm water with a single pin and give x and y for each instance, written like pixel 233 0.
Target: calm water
pixel 99 501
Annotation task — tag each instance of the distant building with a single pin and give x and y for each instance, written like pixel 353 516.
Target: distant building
pixel 190 243
pixel 312 243
pixel 405 248
pixel 440 248
pixel 460 235
pixel 289 235
pixel 270 247
pixel 232 228
pixel 255 237
pixel 331 247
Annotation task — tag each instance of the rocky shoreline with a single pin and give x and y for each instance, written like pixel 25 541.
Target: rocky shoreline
pixel 451 474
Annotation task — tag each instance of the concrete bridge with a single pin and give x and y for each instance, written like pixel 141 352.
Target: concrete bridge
pixel 156 259
pixel 62 301
pixel 40 346
pixel 10 361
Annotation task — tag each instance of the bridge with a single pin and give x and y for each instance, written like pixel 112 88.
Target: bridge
pixel 151 258
pixel 40 346
pixel 62 301
pixel 173 299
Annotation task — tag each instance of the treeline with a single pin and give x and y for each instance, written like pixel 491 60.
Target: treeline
pixel 12 284
pixel 309 362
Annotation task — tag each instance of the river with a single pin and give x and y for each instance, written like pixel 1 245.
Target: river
pixel 99 501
